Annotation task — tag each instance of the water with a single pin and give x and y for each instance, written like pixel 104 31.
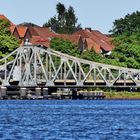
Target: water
pixel 70 120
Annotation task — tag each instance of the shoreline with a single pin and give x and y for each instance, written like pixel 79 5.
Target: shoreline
pixel 124 95
pixel 122 99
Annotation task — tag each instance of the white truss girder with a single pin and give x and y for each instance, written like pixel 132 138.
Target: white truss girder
pixel 45 66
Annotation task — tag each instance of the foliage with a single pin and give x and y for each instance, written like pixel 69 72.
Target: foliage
pixel 28 24
pixel 64 46
pixel 91 55
pixel 127 25
pixel 8 43
pixel 127 42
pixel 127 50
pixel 65 21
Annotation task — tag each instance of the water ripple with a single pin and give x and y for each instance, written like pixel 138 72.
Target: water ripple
pixel 69 120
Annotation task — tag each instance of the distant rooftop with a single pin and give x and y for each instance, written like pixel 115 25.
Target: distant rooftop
pixel 5 18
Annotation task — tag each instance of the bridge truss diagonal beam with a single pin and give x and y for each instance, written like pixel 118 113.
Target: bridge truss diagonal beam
pixel 33 66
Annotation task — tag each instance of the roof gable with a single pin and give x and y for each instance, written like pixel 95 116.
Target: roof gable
pixel 92 45
pixel 3 17
pixel 21 31
pixel 12 29
pixel 97 38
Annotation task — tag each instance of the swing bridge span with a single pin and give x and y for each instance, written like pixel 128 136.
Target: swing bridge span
pixel 31 66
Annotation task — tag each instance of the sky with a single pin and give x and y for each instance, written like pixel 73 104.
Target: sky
pixel 96 14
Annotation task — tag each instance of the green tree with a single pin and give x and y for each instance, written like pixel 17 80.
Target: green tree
pixel 71 20
pixel 91 55
pixel 8 42
pixel 61 11
pixel 64 46
pixel 65 21
pixel 67 47
pixel 126 39
pixel 127 50
pixel 126 32
pixel 127 25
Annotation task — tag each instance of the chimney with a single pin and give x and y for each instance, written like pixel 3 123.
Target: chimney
pixel 50 29
pixel 88 29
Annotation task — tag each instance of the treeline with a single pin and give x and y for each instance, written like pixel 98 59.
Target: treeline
pixel 125 34
pixel 126 38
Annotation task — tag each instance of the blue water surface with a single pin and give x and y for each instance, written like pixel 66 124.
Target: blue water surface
pixel 69 120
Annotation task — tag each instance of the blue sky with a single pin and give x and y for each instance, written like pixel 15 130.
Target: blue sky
pixel 97 14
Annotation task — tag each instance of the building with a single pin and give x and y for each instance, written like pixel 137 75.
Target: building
pixel 85 39
pixel 75 39
pixel 94 39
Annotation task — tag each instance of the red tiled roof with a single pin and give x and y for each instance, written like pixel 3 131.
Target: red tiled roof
pixel 5 18
pixel 12 28
pixel 97 38
pixel 37 40
pixel 21 31
pixel 100 35
pixel 92 45
pixel 42 32
pixel 83 33
pixel 103 44
pixel 73 38
pixel 40 36
pixel 33 32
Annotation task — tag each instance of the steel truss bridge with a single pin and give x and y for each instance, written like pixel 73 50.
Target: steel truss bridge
pixel 35 66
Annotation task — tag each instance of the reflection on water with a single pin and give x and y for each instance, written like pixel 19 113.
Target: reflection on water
pixel 70 120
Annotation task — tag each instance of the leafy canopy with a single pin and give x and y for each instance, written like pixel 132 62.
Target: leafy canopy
pixel 126 32
pixel 65 21
pixel 127 50
pixel 67 47
pixel 64 46
pixel 128 25
pixel 126 39
pixel 8 43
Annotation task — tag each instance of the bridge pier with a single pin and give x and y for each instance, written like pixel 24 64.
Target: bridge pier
pixel 22 92
pixel 45 93
pixel 38 92
pixel 3 92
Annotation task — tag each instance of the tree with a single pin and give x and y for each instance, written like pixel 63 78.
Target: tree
pixel 61 10
pixel 91 55
pixel 65 21
pixel 128 25
pixel 65 46
pixel 28 24
pixel 71 20
pixel 126 39
pixel 126 32
pixel 8 42
pixel 127 50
